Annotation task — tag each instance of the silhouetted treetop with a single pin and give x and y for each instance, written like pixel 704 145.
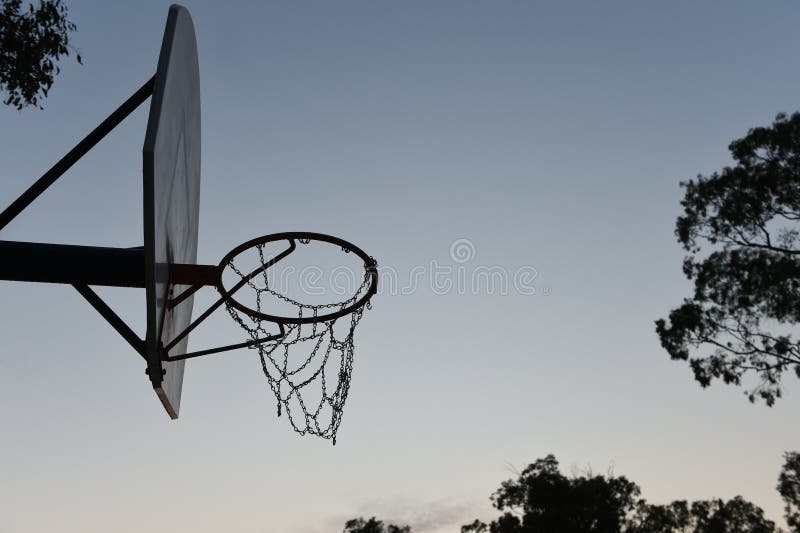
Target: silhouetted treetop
pixel 706 516
pixel 542 499
pixel 373 525
pixel 741 229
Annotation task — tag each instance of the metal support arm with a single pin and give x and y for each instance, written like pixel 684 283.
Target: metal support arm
pixel 112 318
pixel 80 149
pixel 65 263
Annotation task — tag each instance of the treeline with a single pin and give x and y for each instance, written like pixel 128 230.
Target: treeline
pixel 542 499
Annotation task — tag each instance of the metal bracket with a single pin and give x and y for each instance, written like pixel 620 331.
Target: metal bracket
pixel 166 357
pixel 33 267
pixel 198 276
pixel 112 318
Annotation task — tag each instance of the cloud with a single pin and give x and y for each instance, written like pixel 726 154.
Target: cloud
pixel 438 516
pixel 423 517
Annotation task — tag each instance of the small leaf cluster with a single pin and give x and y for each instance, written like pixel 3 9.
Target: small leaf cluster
pixel 32 41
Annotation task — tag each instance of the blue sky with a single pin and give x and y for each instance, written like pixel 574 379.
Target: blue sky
pixel 548 136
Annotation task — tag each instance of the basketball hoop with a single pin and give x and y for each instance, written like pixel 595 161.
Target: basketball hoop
pixel 278 338
pixel 167 260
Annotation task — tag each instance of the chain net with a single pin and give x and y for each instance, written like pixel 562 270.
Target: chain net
pixel 301 360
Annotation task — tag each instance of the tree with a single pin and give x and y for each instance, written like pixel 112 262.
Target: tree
pixel 543 499
pixel 734 516
pixel 706 516
pixel 789 488
pixel 31 43
pixel 650 518
pixel 359 525
pixel 745 221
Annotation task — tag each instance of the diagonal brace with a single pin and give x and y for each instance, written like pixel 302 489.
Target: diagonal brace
pixel 88 142
pixel 112 318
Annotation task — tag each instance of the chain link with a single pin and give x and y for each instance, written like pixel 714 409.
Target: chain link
pixel 285 380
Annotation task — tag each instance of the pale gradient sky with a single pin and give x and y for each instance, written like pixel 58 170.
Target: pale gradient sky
pixel 552 136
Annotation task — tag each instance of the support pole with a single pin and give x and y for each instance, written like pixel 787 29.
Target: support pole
pixel 76 153
pixel 65 263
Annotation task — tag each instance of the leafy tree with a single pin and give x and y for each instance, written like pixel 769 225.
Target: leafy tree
pixel 31 43
pixel 712 516
pixel 359 525
pixel 789 488
pixel 650 518
pixel 543 499
pixel 734 516
pixel 745 221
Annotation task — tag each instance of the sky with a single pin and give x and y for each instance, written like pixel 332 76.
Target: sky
pixel 544 141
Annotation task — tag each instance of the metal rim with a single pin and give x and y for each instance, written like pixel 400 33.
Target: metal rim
pixel 369 266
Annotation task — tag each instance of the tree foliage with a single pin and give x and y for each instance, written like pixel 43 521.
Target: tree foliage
pixel 542 499
pixel 789 488
pixel 373 525
pixel 31 43
pixel 736 515
pixel 651 518
pixel 741 229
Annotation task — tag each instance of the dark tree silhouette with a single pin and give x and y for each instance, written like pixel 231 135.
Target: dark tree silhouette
pixel 650 518
pixel 713 516
pixel 31 43
pixel 734 516
pixel 543 499
pixel 741 229
pixel 359 525
pixel 789 488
